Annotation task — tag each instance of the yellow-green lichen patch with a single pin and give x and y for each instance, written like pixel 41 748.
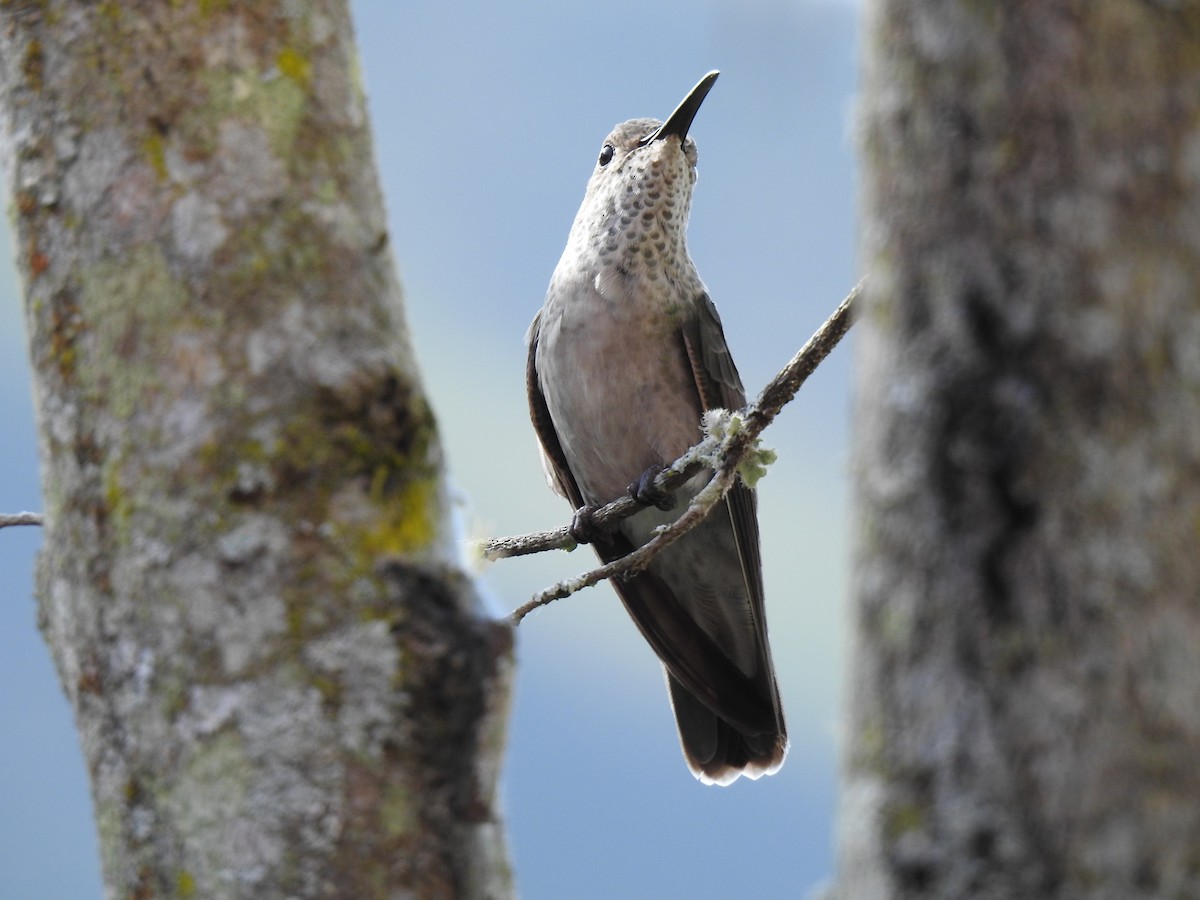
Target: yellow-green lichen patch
pixel 185 883
pixel 210 7
pixel 330 689
pixel 406 520
pixel 987 11
pixel 274 259
pixel 397 812
pixel 376 436
pixel 65 326
pixel 34 64
pixel 221 457
pixel 296 619
pixel 132 308
pixel 368 527
pixel 110 818
pixel 174 695
pixel 328 192
pixel 154 150
pixel 357 77
pixel 275 104
pixel 870 746
pixel 116 500
pixel 896 624
pixel 903 818
pixel 294 65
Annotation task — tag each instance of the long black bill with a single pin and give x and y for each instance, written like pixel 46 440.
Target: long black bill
pixel 680 121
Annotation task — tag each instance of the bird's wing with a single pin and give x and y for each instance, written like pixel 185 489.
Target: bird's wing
pixel 554 461
pixel 719 385
pixel 704 666
pixel 716 376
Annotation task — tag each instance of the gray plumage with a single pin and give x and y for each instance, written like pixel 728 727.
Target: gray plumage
pixel 624 356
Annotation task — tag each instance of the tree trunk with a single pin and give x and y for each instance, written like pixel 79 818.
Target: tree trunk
pixel 1026 687
pixel 283 682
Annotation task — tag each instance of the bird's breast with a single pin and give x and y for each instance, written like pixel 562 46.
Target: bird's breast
pixel 616 380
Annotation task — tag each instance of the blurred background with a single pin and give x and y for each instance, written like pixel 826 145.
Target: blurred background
pixel 487 124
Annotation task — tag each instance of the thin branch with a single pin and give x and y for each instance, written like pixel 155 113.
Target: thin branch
pixel 733 448
pixel 783 387
pixel 668 480
pixel 24 518
pixel 632 563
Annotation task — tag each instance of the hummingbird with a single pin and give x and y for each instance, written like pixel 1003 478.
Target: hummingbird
pixel 625 356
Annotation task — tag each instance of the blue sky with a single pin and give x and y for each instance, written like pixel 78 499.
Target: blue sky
pixel 487 121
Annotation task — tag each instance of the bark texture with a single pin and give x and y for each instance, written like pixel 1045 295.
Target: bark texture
pixel 284 684
pixel 1025 694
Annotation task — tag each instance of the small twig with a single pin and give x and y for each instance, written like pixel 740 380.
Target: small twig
pixel 732 450
pixel 783 387
pixel 712 493
pixel 668 480
pixel 24 518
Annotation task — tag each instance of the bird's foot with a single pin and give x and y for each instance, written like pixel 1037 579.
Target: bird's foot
pixel 645 493
pixel 584 527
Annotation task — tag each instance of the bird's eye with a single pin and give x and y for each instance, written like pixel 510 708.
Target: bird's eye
pixel 606 154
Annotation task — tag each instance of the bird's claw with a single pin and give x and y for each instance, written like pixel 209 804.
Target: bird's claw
pixel 646 493
pixel 584 527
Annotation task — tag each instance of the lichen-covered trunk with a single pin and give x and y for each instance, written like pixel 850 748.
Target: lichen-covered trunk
pixel 1025 696
pixel 283 683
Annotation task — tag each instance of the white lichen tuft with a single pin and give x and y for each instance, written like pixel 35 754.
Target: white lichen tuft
pixel 721 424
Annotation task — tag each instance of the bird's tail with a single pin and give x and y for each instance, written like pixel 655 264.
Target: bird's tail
pixel 716 751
